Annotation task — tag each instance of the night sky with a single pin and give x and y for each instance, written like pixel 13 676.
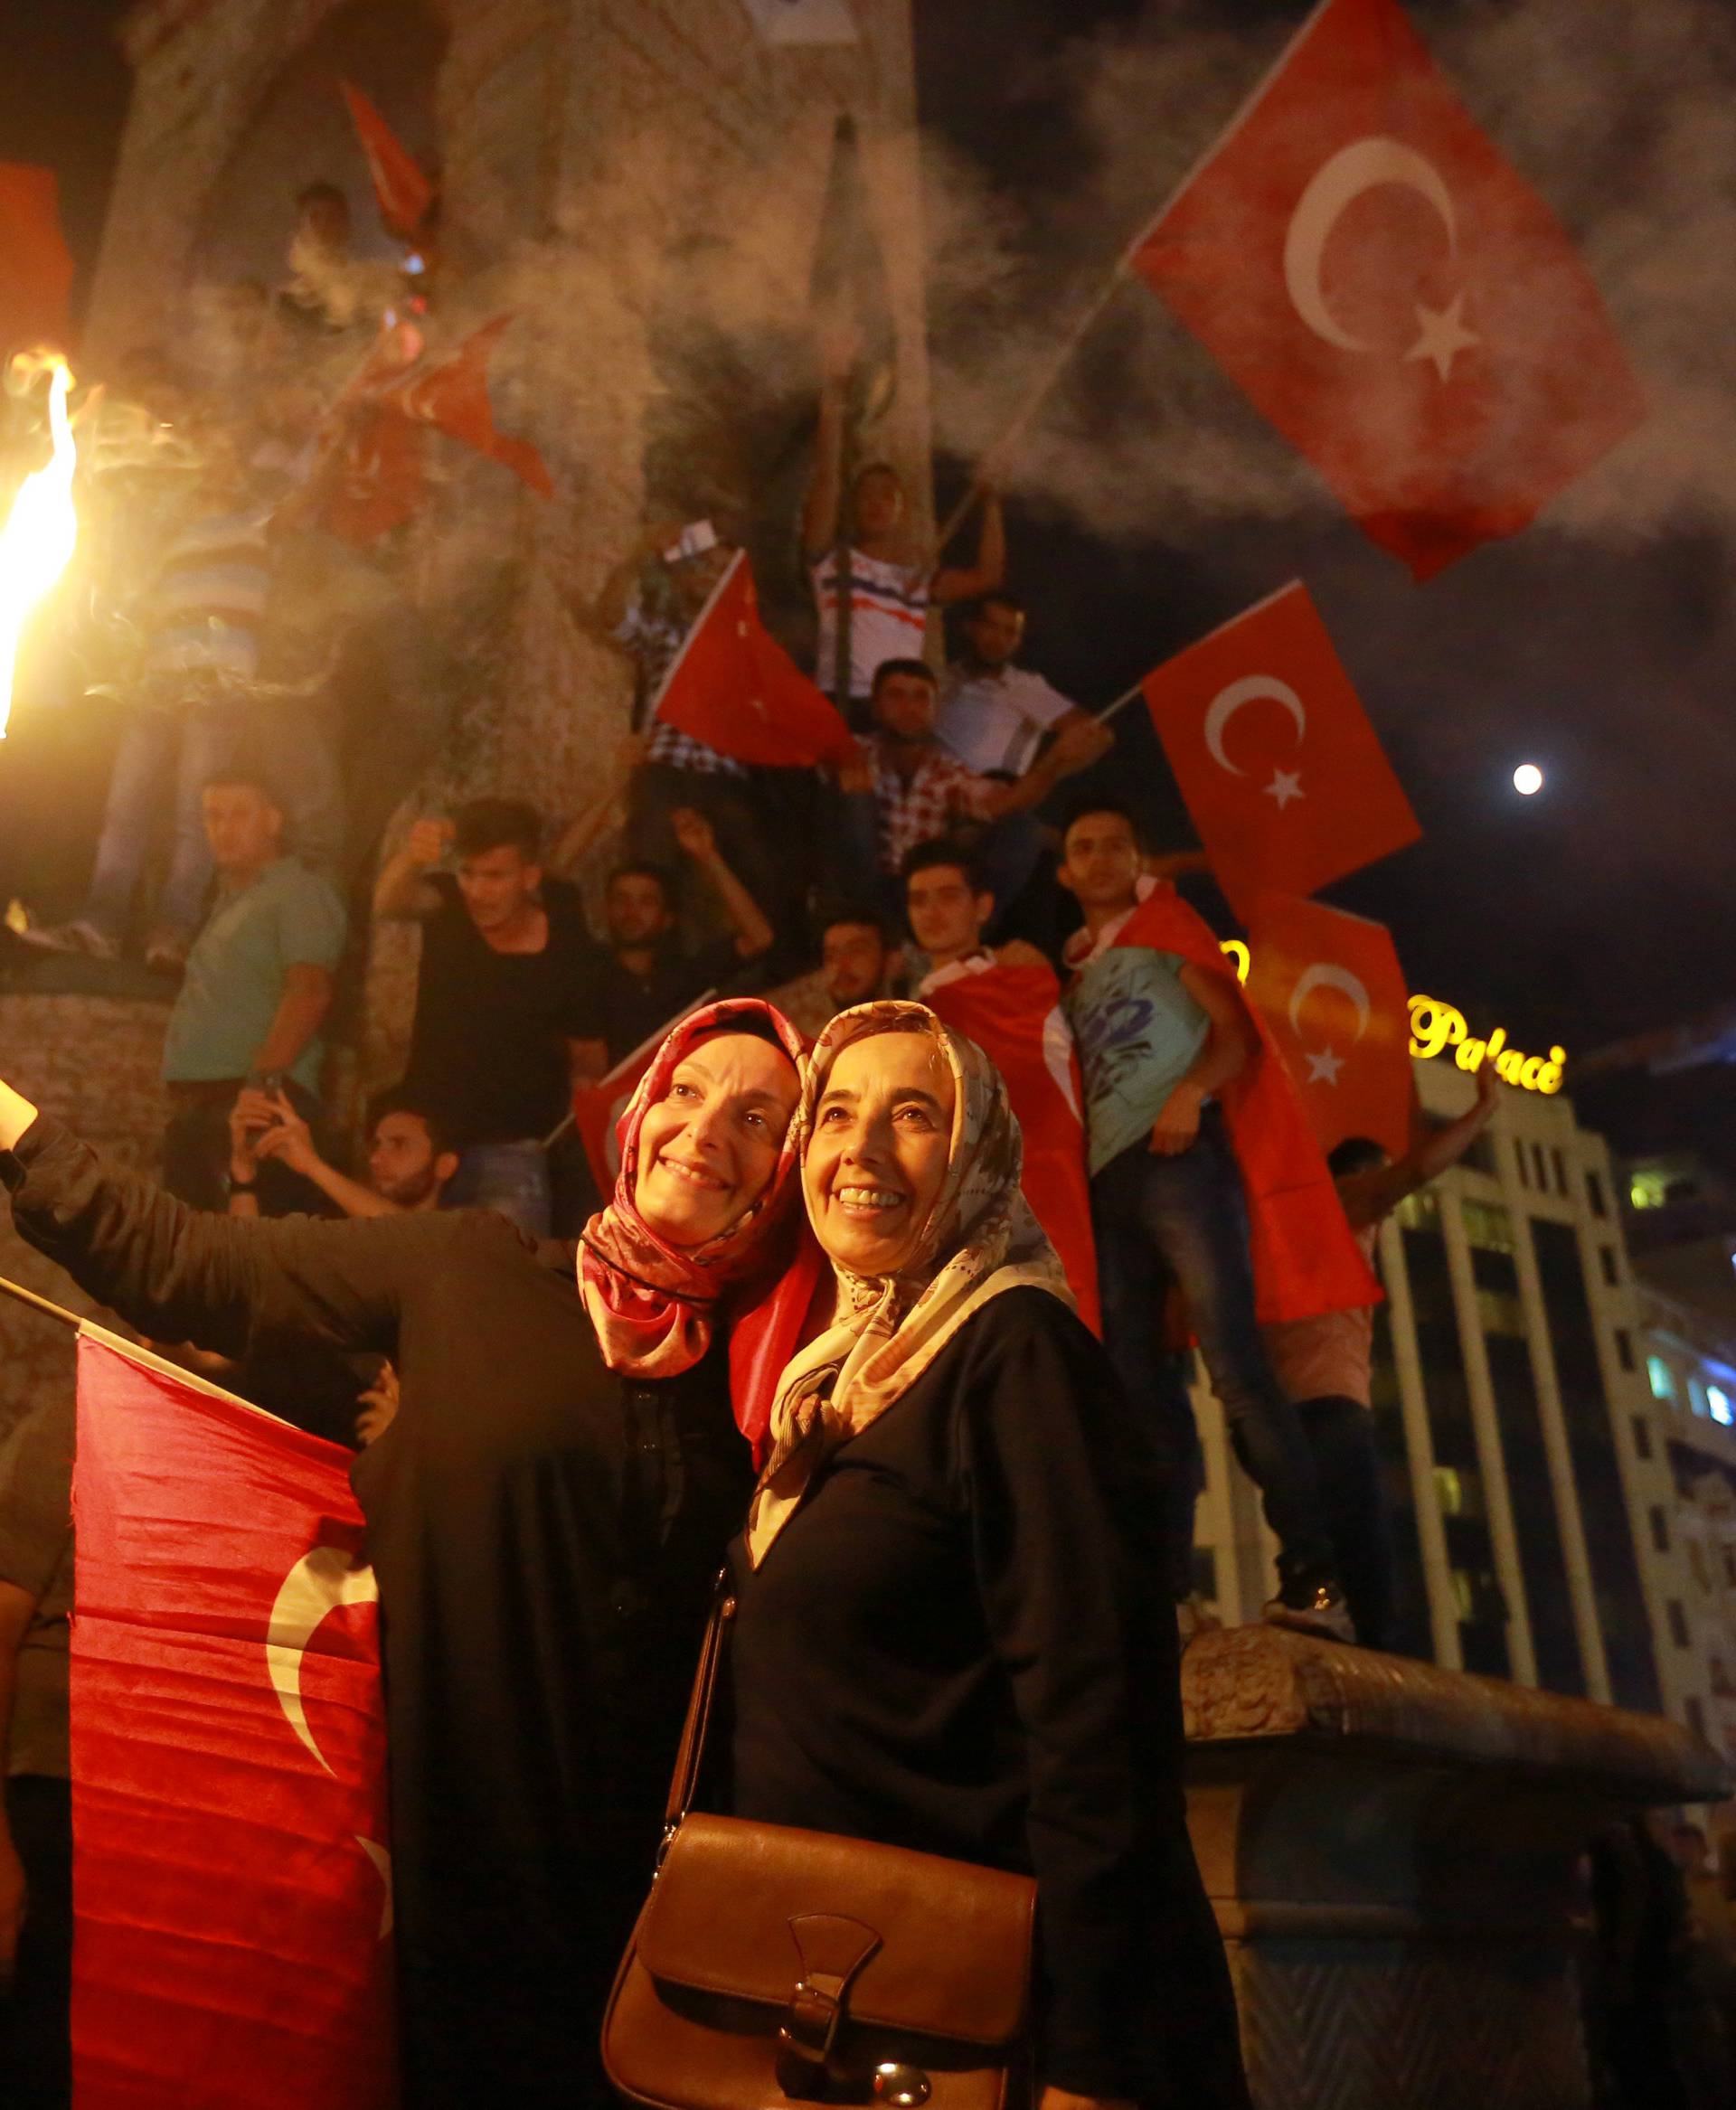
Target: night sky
pixel 1602 907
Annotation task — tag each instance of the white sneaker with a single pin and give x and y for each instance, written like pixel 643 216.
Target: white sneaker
pixel 1320 1611
pixel 80 935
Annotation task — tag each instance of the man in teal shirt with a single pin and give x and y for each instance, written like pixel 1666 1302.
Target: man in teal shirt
pixel 258 984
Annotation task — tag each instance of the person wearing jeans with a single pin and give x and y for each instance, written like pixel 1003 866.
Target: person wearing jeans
pixel 1159 1037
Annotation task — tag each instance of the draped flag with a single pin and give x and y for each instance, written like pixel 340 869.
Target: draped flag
pixel 401 188
pixel 1392 295
pixel 231 1877
pixel 805 21
pixel 35 269
pixel 1273 753
pixel 1305 1261
pixel 1330 990
pixel 734 687
pixel 1014 1016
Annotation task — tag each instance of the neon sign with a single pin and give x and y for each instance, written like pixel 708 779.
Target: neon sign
pixel 1436 1027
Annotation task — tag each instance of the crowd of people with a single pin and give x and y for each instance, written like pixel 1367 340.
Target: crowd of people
pixel 838 995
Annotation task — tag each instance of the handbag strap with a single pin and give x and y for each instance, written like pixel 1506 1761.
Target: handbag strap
pixel 691 1757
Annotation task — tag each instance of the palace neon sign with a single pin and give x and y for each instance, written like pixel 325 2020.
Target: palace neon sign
pixel 1436 1028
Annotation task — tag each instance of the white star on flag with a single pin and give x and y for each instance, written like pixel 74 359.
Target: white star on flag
pixel 805 21
pixel 1324 1067
pixel 1444 334
pixel 1285 786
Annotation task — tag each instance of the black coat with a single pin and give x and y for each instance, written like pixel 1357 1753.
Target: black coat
pixel 543 1534
pixel 961 1643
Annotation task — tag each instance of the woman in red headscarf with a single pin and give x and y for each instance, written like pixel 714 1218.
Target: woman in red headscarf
pixel 545 1514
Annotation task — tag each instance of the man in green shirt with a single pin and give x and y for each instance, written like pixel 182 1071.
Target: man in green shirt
pixel 258 984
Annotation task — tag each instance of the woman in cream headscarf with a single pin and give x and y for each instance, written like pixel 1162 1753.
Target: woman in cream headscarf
pixel 951 1632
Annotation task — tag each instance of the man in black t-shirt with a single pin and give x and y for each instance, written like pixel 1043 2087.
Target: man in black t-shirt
pixel 644 980
pixel 505 998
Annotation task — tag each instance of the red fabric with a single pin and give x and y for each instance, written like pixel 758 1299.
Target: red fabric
pixel 1331 993
pixel 403 191
pixel 654 1305
pixel 454 397
pixel 765 1336
pixel 1014 1015
pixel 378 481
pixel 228 1869
pixel 1287 794
pixel 35 268
pixel 1306 1260
pixel 734 687
pixel 1331 290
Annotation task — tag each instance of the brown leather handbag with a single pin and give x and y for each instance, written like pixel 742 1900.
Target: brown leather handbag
pixel 773 1965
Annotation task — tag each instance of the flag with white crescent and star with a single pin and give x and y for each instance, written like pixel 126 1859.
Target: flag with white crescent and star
pixel 1282 774
pixel 1331 991
pixel 232 1877
pixel 1389 292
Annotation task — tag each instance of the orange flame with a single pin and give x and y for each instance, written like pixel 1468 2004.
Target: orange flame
pixel 41 530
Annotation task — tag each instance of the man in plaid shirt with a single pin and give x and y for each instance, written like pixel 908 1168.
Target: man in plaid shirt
pixel 909 789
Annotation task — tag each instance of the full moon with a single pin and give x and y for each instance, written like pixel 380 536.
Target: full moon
pixel 1527 779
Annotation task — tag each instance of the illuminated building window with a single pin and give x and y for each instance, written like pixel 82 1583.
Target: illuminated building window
pixel 1678 1624
pixel 1488 1229
pixel 1718 1406
pixel 1642 1436
pixel 1419 1212
pixel 1661 1376
pixel 1594 1195
pixel 1624 1348
pixel 1450 1492
pixel 1660 1525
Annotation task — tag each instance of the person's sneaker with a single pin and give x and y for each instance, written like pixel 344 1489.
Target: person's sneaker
pixel 1193 1618
pixel 1316 1608
pixel 167 954
pixel 80 935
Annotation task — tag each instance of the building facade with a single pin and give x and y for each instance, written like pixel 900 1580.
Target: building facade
pixel 1527 1458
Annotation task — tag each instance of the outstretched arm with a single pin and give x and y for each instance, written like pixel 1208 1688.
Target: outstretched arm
pixel 178 1274
pixel 1368 1196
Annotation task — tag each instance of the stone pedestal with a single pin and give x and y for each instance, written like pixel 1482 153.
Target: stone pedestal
pixel 1393 1854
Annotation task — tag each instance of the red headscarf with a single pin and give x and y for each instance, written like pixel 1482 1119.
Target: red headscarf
pixel 654 1305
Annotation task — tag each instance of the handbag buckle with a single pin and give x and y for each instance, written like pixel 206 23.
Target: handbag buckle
pixel 832 1950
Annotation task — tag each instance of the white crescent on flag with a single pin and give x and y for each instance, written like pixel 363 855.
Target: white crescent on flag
pixel 313 1589
pixel 805 21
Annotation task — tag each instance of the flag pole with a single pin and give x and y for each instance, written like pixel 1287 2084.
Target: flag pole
pixel 1121 704
pixel 1039 395
pixel 39 1303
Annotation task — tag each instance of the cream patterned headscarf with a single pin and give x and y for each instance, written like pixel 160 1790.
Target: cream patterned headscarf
pixel 979 1239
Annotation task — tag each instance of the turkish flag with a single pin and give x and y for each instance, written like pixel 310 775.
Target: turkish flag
pixel 35 269
pixel 1305 1258
pixel 231 1878
pixel 453 397
pixel 401 187
pixel 1014 1016
pixel 734 687
pixel 1392 296
pixel 1273 752
pixel 1332 994
pixel 373 466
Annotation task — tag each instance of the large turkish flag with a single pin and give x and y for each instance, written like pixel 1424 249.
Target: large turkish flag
pixel 1332 994
pixel 1014 1016
pixel 1392 295
pixel 401 187
pixel 231 1879
pixel 734 687
pixel 1281 770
